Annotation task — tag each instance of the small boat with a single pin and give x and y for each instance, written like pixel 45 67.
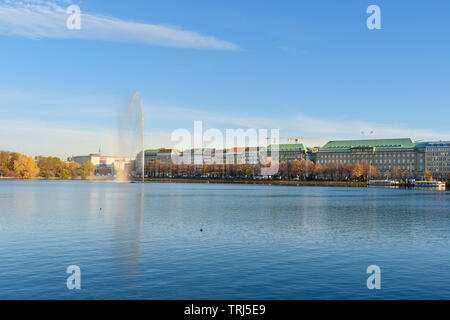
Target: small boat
pixel 383 183
pixel 429 184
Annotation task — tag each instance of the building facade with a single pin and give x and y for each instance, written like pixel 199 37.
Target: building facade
pixel 104 164
pixel 162 154
pixel 437 157
pixel 383 154
pixel 237 155
pixel 288 152
pixel 400 155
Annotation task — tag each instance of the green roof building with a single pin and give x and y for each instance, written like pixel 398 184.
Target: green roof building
pixel 289 151
pixel 339 145
pixel 384 154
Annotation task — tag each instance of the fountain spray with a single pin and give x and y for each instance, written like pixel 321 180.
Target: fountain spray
pixel 142 137
pixel 131 129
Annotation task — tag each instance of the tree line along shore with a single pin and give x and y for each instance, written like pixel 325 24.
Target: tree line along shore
pixel 19 166
pixel 299 170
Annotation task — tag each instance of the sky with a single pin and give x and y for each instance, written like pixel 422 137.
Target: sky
pixel 308 68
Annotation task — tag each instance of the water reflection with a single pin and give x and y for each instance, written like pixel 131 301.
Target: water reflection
pixel 129 219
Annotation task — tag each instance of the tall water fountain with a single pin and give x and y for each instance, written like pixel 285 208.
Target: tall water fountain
pixel 131 133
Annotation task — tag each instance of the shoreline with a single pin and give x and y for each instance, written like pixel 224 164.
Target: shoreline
pixel 262 182
pixel 93 178
pixel 207 181
pixel 354 184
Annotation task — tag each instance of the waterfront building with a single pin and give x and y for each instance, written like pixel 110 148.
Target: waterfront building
pixel 389 156
pixel 437 158
pixel 236 155
pixel 289 151
pixel 383 154
pixel 252 155
pixel 104 164
pixel 197 156
pixel 162 154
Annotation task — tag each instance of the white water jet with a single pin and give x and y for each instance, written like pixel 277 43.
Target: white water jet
pixel 131 132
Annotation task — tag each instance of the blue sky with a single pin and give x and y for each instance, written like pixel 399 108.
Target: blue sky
pixel 309 68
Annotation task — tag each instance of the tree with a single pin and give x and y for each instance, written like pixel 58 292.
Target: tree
pixel 357 170
pixel 64 174
pixel 341 171
pixel 369 170
pixel 87 168
pixel 310 167
pixel 73 169
pixel 13 156
pixel 5 169
pixel 396 173
pixel 149 168
pixel 330 170
pixel 317 170
pixel 298 168
pixel 427 175
pixel 283 169
pixel 49 166
pixel 248 170
pixel 25 167
pixel 405 174
pixel 375 172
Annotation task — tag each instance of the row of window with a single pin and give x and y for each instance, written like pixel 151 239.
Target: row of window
pixel 398 167
pixel 439 169
pixel 377 162
pixel 412 161
pixel 438 149
pixel 438 164
pixel 378 155
pixel 437 159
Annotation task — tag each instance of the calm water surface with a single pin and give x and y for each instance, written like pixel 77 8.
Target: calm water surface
pixel 143 241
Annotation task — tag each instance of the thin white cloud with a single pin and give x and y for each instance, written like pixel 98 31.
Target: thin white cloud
pixel 39 19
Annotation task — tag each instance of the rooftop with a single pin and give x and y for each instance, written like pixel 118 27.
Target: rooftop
pixel 151 151
pixel 337 145
pixel 289 147
pixel 433 144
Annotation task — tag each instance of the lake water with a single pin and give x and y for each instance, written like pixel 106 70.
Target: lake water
pixel 143 241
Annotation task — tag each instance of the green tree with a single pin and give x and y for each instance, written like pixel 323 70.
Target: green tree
pixel 87 168
pixel 64 174
pixel 73 169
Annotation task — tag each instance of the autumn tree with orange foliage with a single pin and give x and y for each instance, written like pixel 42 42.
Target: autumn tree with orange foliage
pixel 25 167
pixel 357 170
